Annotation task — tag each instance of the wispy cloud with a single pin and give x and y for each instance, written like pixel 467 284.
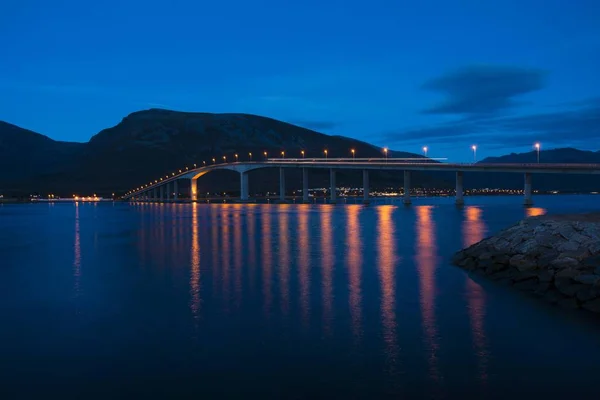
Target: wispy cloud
pixel 483 90
pixel 574 126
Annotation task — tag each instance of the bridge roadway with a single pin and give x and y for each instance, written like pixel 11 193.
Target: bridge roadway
pixel 166 189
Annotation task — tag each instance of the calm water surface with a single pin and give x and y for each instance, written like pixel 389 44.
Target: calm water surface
pixel 281 301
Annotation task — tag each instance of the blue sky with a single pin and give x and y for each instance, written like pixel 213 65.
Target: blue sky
pixel 446 74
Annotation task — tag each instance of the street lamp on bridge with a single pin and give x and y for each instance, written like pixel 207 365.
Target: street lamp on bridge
pixel 325 154
pixel 302 152
pixel 474 148
pixel 236 158
pixel 425 150
pixel 265 153
pixel 250 155
pixel 385 150
pixel 224 159
pixel 214 161
pixel 283 154
pixel 537 148
pixel 353 154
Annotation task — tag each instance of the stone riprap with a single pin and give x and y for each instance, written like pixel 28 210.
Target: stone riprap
pixel 557 258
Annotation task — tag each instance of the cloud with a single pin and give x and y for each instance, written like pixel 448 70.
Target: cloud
pixel 483 90
pixel 316 125
pixel 573 126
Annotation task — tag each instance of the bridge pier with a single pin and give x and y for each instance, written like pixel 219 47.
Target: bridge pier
pixel 304 185
pixel 155 194
pixel 244 186
pixel 528 201
pixel 406 200
pixel 194 189
pixel 459 189
pixel 365 186
pixel 161 192
pixel 281 184
pixel 175 190
pixel 332 188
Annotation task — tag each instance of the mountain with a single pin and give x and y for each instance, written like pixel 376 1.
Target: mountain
pixel 25 154
pixel 543 182
pixel 148 144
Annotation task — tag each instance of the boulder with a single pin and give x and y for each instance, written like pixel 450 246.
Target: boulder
pixel 522 262
pixel 587 279
pixel 546 258
pixel 588 293
pixel 529 247
pixel 564 262
pixel 547 240
pixel 567 273
pixel 567 287
pixel 546 275
pixel 495 267
pixel 567 246
pixel 503 259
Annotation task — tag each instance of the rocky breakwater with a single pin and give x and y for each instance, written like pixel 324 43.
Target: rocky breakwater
pixel 554 257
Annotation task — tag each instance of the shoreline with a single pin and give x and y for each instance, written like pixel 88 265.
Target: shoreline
pixel 556 257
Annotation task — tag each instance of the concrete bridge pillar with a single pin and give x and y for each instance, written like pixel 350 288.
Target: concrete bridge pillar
pixel 244 186
pixel 281 184
pixel 332 188
pixel 459 188
pixel 175 190
pixel 528 201
pixel 365 186
pixel 155 194
pixel 194 189
pixel 162 192
pixel 169 190
pixel 406 199
pixel 304 185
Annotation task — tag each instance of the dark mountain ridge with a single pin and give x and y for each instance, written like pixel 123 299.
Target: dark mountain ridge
pixel 148 144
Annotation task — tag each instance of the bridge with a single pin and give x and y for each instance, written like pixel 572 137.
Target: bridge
pixel 166 188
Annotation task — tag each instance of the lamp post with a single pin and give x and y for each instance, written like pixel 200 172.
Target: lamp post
pixel 353 158
pixel 204 163
pixel 537 148
pixel 302 152
pixel 224 159
pixel 214 161
pixel 474 148
pixel 250 155
pixel 385 151
pixel 265 153
pixel 283 154
pixel 325 154
pixel 236 157
pixel 425 150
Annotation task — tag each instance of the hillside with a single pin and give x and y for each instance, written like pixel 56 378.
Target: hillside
pixel 148 144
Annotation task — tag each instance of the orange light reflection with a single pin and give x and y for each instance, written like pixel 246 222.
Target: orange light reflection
pixel 426 262
pixel 354 262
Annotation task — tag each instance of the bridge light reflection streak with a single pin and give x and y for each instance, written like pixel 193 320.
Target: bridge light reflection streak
pixel 284 259
pixel 474 230
pixel 386 266
pixel 266 260
pixel 238 251
pixel 327 259
pixel 354 249
pixel 195 267
pixel 304 263
pixel 426 262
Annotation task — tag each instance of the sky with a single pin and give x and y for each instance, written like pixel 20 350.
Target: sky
pixel 501 75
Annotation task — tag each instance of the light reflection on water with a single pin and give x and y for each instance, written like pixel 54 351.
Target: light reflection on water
pixel 310 296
